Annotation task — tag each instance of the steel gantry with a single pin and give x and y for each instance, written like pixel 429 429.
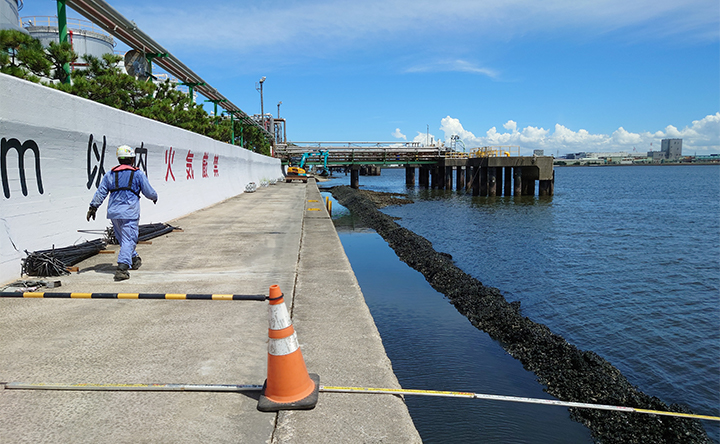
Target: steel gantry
pixel 361 153
pixel 105 16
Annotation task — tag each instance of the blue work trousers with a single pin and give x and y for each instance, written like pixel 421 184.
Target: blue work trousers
pixel 126 233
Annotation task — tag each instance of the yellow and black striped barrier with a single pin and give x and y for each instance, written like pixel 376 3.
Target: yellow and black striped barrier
pixel 187 296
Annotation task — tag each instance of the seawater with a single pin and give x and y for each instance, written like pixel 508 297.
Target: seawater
pixel 623 261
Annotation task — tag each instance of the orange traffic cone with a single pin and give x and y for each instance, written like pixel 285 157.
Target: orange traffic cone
pixel 288 385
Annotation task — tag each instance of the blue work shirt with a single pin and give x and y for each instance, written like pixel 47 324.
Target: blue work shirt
pixel 123 204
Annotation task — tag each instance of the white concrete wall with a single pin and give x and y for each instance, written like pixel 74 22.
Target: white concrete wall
pixel 189 171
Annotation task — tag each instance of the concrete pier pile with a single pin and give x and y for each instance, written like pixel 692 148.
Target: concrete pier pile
pixel 568 373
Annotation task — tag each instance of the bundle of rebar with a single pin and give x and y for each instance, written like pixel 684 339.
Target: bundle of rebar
pixel 149 231
pixel 54 262
pixel 145 232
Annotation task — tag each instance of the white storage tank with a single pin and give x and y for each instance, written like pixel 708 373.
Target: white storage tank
pixel 84 36
pixel 9 15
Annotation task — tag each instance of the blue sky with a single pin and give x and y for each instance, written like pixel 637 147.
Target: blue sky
pixel 564 76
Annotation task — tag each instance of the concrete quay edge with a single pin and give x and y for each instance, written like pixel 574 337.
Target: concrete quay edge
pixel 281 235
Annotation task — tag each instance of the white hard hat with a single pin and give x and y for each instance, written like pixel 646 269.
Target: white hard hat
pixel 125 151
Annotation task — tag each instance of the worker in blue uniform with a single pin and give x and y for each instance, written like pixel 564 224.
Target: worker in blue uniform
pixel 124 183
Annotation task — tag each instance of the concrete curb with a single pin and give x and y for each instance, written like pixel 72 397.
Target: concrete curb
pixel 341 343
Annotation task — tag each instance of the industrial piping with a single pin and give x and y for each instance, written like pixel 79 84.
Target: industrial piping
pixel 105 16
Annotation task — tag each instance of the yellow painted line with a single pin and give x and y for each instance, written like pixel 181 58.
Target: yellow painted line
pixel 81 295
pixel 32 294
pixel 397 391
pixel 174 296
pixel 313 200
pixel 513 399
pixel 336 389
pixel 313 209
pixel 222 297
pixel 128 295
pixel 682 415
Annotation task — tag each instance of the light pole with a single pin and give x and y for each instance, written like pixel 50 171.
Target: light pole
pixel 279 103
pixel 262 109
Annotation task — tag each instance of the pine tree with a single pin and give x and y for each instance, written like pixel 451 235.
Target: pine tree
pixel 103 81
pixel 59 54
pixel 23 56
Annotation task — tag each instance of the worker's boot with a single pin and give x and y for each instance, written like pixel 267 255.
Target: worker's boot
pixel 122 272
pixel 136 262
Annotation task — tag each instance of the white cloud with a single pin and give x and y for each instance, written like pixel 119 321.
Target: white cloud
pixel 326 24
pixel 530 134
pixel 567 136
pixel 702 136
pixel 398 134
pixel 453 66
pixel 624 138
pixel 703 133
pixel 452 126
pixel 425 138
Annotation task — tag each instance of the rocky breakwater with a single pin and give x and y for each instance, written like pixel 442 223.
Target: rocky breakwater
pixel 568 373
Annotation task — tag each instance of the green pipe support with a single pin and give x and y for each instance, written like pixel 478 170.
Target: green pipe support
pixel 192 85
pixel 63 33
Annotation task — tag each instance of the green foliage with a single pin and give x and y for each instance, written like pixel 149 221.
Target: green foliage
pixel 254 139
pixel 22 56
pixel 60 54
pixel 103 81
pixel 175 108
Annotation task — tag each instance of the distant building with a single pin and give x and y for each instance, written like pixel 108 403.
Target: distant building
pixel 656 156
pixel 708 158
pixel 608 155
pixel 672 148
pixel 576 155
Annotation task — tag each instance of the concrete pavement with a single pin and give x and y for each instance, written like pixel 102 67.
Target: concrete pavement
pixel 240 246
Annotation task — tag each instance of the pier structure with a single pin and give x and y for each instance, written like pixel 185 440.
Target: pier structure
pixel 486 171
pixel 488 176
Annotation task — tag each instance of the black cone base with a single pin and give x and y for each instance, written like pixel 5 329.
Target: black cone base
pixel 307 403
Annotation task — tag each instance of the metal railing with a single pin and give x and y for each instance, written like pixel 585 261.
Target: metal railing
pixel 486 151
pixel 495 151
pixel 367 155
pixel 394 144
pixel 385 153
pixel 391 152
pixel 72 23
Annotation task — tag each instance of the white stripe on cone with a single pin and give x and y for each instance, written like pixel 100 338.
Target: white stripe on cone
pixel 278 317
pixel 284 346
